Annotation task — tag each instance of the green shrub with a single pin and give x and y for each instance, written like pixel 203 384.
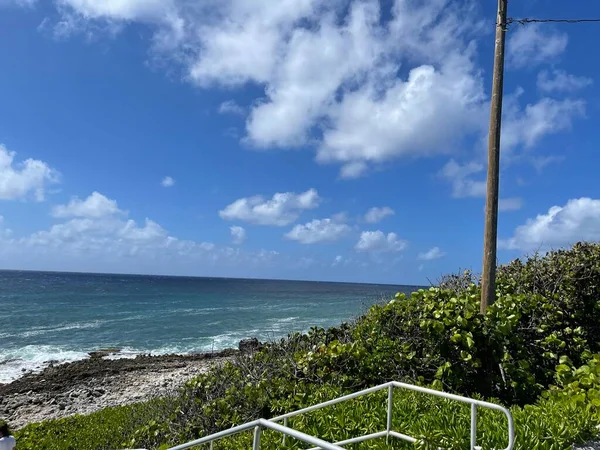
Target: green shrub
pixel 109 428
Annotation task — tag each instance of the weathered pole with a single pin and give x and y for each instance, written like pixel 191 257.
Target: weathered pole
pixel 488 277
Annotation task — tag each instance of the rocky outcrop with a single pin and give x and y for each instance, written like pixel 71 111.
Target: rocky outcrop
pixel 249 345
pixel 104 352
pixel 86 386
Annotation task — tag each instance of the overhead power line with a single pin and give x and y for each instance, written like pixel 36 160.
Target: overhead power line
pixel 526 20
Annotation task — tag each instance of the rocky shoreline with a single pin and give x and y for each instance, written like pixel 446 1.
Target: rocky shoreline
pixel 85 386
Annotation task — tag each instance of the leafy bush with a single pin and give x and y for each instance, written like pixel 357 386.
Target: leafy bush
pixel 578 384
pixel 109 428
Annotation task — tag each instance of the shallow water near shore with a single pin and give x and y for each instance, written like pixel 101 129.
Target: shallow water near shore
pixel 61 317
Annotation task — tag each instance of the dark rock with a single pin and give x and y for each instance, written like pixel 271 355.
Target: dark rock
pixel 104 352
pixel 99 392
pixel 249 345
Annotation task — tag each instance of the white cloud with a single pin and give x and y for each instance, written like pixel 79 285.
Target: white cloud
pixel 379 242
pixel 372 127
pixel 19 181
pixel 91 17
pixel 244 39
pixel 97 236
pixel 561 81
pixel 460 177
pixel 359 84
pixel 281 210
pixel 522 129
pixel 376 214
pixel 21 3
pixel 535 44
pixel 527 127
pixel 119 9
pixel 95 206
pixel 231 107
pixel 324 230
pixel 167 182
pixel 329 69
pixel 337 260
pixel 578 220
pixel 353 170
pixel 430 255
pixel 510 204
pixel 238 235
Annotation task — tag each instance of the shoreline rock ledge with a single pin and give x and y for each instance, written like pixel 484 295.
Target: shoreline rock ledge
pixel 249 345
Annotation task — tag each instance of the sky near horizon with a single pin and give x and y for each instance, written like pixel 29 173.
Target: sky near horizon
pixel 301 139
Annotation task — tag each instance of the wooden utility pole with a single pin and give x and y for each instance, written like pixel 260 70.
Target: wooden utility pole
pixel 488 277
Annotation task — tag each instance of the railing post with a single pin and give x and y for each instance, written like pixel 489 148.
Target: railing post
pixel 285 424
pixel 389 411
pixel 211 445
pixel 256 443
pixel 473 425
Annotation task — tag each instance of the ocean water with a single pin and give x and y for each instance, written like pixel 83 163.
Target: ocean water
pixel 62 317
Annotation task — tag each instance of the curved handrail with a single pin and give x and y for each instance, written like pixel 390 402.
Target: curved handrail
pixel 257 425
pixel 396 384
pixel 319 443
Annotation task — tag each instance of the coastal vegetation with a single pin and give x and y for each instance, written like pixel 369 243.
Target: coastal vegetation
pixel 536 350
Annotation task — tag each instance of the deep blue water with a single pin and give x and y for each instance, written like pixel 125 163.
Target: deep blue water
pixel 60 316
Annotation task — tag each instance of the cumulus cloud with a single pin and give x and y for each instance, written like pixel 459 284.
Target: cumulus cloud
pixel 281 210
pixel 359 84
pixel 167 182
pixel 578 220
pixel 329 68
pixel 316 231
pixel 561 81
pixel 460 177
pixel 353 170
pixel 94 234
pixel 30 178
pixel 238 235
pixel 430 255
pixel 95 206
pixel 534 44
pixel 379 242
pixel 524 128
pixel 376 214
pixel 231 107
pixel 21 3
pixel 373 127
pixel 120 9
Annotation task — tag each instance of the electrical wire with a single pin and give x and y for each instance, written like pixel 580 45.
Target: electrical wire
pixel 527 20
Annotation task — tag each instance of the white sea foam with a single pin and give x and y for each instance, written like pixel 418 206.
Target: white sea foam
pixel 34 358
pixel 13 363
pixel 38 331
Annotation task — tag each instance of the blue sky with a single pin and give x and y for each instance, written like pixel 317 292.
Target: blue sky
pixel 253 139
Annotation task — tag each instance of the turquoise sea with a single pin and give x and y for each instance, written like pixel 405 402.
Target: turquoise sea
pixel 63 316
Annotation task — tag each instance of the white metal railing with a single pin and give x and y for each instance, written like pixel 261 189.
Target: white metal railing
pixel 258 425
pixel 321 444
